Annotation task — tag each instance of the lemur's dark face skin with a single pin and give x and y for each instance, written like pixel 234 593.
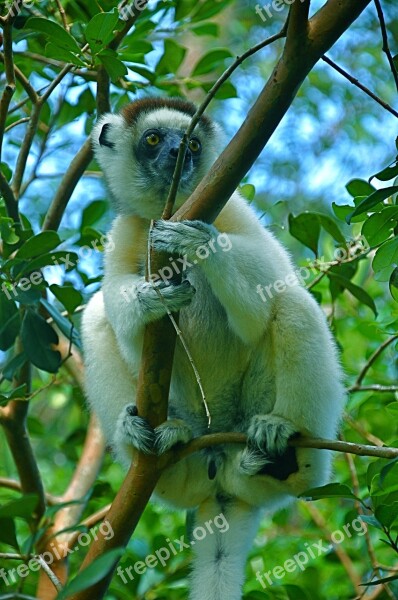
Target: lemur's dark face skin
pixel 157 153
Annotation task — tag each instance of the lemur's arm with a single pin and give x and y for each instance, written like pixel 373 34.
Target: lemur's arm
pixel 131 302
pixel 234 272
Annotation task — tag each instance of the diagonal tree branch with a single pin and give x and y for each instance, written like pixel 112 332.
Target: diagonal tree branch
pixel 386 47
pixel 360 85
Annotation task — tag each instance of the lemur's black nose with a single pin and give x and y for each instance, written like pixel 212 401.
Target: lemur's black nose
pixel 174 152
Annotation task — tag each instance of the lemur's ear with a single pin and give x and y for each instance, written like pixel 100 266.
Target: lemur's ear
pixel 102 137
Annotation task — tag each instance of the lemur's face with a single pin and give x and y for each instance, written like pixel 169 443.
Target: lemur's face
pixel 157 152
pixel 137 151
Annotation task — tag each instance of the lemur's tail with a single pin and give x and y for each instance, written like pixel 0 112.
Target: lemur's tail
pixel 220 555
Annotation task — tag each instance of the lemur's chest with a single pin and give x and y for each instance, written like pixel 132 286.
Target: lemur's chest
pixel 232 374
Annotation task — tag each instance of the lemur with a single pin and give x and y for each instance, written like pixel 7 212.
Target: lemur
pixel 268 364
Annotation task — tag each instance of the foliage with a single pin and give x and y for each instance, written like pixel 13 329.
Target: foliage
pixel 70 50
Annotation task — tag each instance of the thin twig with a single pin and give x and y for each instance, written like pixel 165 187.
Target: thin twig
pixel 360 510
pixel 9 88
pixel 360 85
pixel 9 198
pixel 342 555
pixel 16 123
pixel 25 149
pixel 63 15
pixel 386 47
pixel 29 89
pixel 354 424
pixel 373 358
pixel 13 484
pixel 50 574
pixel 67 186
pixel 373 388
pixel 215 439
pixel 61 75
pixel 201 109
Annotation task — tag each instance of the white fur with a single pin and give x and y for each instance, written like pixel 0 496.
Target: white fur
pixel 262 364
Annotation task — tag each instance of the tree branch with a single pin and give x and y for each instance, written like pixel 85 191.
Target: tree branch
pixel 13 419
pixel 9 198
pixel 373 357
pixel 386 47
pixel 67 186
pixel 215 439
pixel 297 29
pixel 360 85
pixel 200 111
pixel 9 88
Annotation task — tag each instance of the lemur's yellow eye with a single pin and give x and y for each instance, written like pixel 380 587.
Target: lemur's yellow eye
pixel 153 139
pixel 194 145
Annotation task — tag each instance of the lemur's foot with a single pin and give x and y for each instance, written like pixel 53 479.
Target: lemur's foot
pixel 170 433
pixel 267 451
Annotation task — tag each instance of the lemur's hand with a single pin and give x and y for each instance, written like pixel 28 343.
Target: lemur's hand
pixel 135 430
pixel 173 296
pixel 183 237
pixel 267 451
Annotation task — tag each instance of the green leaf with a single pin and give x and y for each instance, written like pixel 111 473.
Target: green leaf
pixel 65 326
pixel 227 90
pixel 393 285
pixel 372 200
pixel 99 30
pixel 10 322
pixel 39 244
pixel 37 337
pixel 7 231
pixel 68 296
pixel 248 191
pixel 93 213
pixel 206 29
pixel 295 592
pixel 379 581
pixel 355 290
pixel 57 258
pixel 331 490
pixel 370 520
pixel 22 507
pixel 8 533
pixel 379 226
pixel 5 169
pixel 58 35
pixel 114 67
pixel 359 187
pixel 393 408
pixel 211 60
pixel 209 9
pixel 92 574
pixel 306 228
pixel 387 514
pixel 386 255
pixel 342 210
pixel 56 52
pixel 183 9
pixel 388 173
pixel 330 226
pixel 172 58
pixel 15 393
pixel 12 366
